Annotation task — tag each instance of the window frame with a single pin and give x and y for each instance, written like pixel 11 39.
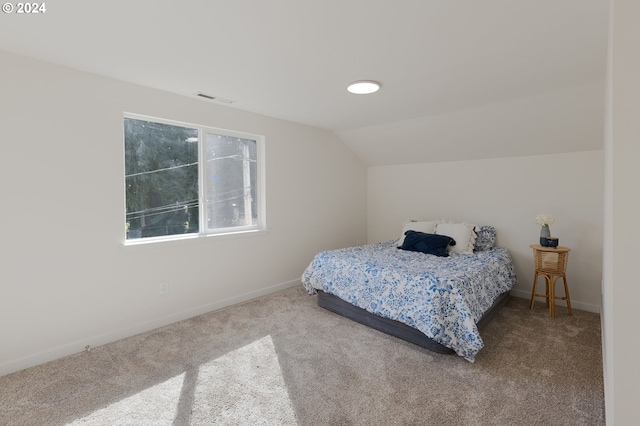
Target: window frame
pixel 203 231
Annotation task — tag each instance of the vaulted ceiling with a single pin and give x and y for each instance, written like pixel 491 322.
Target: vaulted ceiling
pixel 461 79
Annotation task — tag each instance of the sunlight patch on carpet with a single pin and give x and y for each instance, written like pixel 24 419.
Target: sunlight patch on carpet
pixel 245 386
pixel 157 405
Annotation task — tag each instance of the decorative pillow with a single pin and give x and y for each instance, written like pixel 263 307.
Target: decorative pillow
pixel 427 243
pixel 420 226
pixel 486 238
pixel 463 233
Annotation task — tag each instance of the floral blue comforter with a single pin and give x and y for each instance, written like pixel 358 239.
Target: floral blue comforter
pixel 443 297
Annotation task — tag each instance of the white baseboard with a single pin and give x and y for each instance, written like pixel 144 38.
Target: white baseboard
pixel 574 304
pixel 95 341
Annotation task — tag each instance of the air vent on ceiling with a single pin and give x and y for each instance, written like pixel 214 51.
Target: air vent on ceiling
pixel 214 98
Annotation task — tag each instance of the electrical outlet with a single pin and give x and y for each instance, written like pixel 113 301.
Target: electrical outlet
pixel 164 288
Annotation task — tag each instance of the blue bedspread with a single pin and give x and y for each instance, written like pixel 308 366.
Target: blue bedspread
pixel 443 297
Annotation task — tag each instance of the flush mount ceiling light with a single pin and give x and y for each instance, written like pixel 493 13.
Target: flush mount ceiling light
pixel 364 87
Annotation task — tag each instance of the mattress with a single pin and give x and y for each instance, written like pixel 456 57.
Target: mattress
pixel 442 297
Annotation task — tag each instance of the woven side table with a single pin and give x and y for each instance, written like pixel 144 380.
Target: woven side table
pixel 551 263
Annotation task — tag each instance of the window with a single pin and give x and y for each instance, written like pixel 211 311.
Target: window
pixel 185 179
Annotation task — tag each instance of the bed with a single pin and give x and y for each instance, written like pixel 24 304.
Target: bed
pixel 439 302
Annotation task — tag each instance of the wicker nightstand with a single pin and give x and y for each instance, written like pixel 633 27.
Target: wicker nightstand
pixel 551 263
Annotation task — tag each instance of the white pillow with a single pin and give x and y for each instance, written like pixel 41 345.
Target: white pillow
pixel 428 227
pixel 463 233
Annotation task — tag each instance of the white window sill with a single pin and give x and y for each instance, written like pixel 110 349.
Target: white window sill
pixel 187 239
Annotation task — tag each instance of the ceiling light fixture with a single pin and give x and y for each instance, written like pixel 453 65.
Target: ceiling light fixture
pixel 364 87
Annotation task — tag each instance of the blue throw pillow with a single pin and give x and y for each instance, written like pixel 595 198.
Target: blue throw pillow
pixel 427 243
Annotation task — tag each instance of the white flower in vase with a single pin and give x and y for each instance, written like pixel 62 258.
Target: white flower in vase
pixel 544 220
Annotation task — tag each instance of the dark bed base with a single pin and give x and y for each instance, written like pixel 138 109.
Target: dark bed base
pixel 395 328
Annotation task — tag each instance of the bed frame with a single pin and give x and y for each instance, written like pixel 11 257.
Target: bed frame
pixel 395 328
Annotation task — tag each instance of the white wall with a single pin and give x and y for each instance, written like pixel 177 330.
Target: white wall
pixel 621 284
pixel 67 281
pixel 507 193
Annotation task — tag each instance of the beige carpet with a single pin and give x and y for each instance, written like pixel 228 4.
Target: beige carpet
pixel 281 360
